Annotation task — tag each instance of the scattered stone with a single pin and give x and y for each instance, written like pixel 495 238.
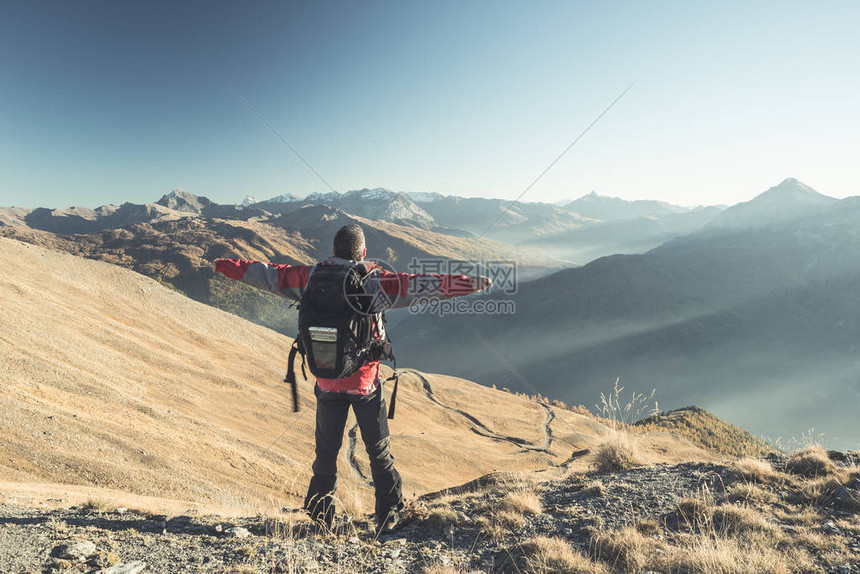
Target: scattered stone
pixel 132 567
pixel 238 532
pixel 77 551
pixel 650 494
pixel 121 510
pixel 846 497
pixel 178 523
pixel 830 528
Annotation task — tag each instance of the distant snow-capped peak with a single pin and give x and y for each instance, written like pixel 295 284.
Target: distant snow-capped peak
pixel 424 196
pixel 285 198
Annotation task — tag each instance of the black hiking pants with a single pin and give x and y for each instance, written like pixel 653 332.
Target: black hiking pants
pixel 370 413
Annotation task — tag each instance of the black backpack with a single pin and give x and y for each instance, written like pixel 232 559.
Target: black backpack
pixel 339 331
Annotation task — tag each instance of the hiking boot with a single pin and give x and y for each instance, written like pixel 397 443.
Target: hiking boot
pixel 323 516
pixel 389 523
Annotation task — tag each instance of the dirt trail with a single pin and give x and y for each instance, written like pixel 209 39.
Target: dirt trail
pixel 547 430
pixel 482 429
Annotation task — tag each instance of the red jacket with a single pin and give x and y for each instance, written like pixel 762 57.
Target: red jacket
pixel 289 281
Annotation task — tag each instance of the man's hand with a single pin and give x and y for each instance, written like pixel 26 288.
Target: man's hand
pixel 230 268
pixel 481 283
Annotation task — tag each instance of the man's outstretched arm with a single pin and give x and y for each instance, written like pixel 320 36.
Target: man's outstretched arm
pixel 407 287
pixel 284 280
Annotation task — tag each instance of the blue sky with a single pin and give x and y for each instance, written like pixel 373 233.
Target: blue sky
pixel 107 102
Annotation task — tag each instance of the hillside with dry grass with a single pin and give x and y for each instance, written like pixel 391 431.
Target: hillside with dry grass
pixel 707 431
pixel 143 430
pixel 113 382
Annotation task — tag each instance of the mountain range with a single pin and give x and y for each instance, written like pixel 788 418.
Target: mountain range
pixel 576 231
pixel 177 238
pixel 757 316
pixel 749 310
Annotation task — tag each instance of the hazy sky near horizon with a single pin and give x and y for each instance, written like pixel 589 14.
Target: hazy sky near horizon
pixel 108 102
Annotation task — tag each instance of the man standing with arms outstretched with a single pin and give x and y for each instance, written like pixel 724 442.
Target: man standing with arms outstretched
pixel 362 390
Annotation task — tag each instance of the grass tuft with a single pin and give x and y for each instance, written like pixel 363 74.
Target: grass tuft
pixel 521 501
pixel 755 470
pixel 545 555
pixel 811 462
pixel 96 506
pixel 626 550
pixel 618 452
pixel 750 493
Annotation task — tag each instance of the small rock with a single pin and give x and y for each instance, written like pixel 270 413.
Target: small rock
pixel 846 497
pixel 132 567
pixel 830 528
pixel 178 523
pixel 219 528
pixel 121 510
pixel 239 532
pixel 354 540
pixel 77 551
pixel 395 553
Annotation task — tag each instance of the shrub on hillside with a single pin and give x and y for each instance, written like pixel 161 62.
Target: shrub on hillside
pixel 810 462
pixel 618 452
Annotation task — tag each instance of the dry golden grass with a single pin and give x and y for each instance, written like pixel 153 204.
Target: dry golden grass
pixel 707 431
pixel 734 520
pixel 508 519
pixel 442 518
pixel 694 511
pixel 441 569
pixel 718 555
pixel 709 551
pixel 755 470
pixel 820 490
pixel 521 501
pixel 701 515
pixel 625 550
pixel 811 462
pixel 818 542
pixel 96 506
pixel 648 528
pixel 545 555
pixel 798 515
pixel 134 377
pixel 750 493
pixel 618 452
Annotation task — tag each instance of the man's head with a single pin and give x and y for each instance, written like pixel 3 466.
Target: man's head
pixel 349 243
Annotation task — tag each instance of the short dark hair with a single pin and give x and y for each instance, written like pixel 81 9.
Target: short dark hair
pixel 349 242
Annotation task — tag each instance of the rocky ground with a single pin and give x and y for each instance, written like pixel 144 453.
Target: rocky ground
pixel 753 515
